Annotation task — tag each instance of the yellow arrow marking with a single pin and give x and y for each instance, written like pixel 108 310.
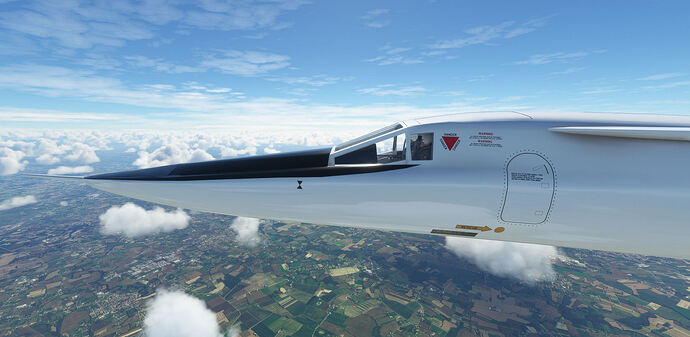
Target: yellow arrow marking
pixel 476 228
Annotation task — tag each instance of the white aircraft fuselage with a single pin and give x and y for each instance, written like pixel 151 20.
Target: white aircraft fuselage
pixel 613 182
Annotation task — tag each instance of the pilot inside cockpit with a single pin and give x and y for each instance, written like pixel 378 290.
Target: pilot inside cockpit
pixel 421 146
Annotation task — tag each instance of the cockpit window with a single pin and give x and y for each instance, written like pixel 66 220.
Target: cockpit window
pixel 388 150
pixel 421 146
pixel 369 136
pixel 391 149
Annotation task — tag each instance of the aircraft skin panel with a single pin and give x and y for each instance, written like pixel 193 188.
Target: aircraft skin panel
pixel 607 193
pixel 530 186
pixel 658 133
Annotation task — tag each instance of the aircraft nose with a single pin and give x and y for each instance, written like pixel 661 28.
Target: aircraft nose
pixel 248 167
pixel 143 174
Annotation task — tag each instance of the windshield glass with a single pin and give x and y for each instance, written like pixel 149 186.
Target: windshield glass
pixel 368 136
pixel 387 150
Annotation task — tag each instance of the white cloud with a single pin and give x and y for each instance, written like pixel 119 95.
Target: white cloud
pixel 82 154
pixel 11 161
pixel 393 55
pixel 316 80
pixel 669 85
pixel 26 148
pixel 600 90
pixel 241 15
pixel 64 82
pixel 512 98
pixel 570 70
pixel 377 18
pixel 48 147
pixel 657 77
pixel 171 154
pixel 113 24
pixel 525 262
pixel 64 203
pixel 17 202
pixel 46 159
pixel 43 115
pixel 397 59
pixel 160 65
pixel 197 108
pixel 176 314
pixel 247 231
pixel 233 332
pixel 70 170
pixel 246 63
pixel 553 57
pixel 270 150
pixel 49 151
pixel 75 26
pixel 232 152
pixel 132 220
pixel 486 34
pixel 390 90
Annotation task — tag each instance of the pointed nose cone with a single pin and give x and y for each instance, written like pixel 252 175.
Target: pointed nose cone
pixel 191 185
pixel 249 167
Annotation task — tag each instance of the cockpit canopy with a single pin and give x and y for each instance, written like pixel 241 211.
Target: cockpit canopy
pixel 383 146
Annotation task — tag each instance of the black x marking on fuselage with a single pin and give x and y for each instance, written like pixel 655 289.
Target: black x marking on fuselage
pixel 299 184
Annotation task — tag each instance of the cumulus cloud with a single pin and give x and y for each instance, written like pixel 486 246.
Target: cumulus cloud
pixel 247 231
pixel 70 170
pixel 270 150
pixel 176 314
pixel 49 147
pixel 82 154
pixel 171 154
pixel 233 152
pixel 233 332
pixel 11 161
pixel 18 145
pixel 525 262
pixel 47 159
pixel 17 202
pixel 132 220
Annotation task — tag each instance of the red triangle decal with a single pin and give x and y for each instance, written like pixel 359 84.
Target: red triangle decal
pixel 450 141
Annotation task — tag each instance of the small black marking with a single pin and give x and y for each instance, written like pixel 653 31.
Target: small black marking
pixel 299 184
pixel 456 233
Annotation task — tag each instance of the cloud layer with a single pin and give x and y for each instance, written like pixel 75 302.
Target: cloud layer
pixel 176 314
pixel 61 150
pixel 85 25
pixel 17 202
pixel 247 231
pixel 525 262
pixel 11 161
pixel 70 170
pixel 132 220
pixel 171 154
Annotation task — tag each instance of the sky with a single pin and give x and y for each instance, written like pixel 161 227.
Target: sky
pixel 330 65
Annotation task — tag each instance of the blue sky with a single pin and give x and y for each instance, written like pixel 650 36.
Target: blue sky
pixel 333 64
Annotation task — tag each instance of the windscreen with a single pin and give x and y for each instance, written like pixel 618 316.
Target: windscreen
pixel 368 136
